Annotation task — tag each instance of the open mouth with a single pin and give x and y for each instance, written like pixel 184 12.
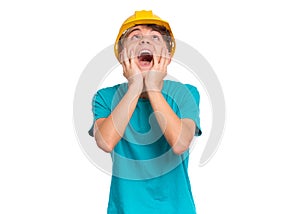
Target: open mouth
pixel 145 57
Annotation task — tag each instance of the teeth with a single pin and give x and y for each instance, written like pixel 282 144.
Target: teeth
pixel 145 52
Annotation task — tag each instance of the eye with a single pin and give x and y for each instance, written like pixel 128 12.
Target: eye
pixel 155 37
pixel 136 37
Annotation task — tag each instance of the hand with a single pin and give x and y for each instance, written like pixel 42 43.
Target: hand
pixel 131 71
pixel 154 78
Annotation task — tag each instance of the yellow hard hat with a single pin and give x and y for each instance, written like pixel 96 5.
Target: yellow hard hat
pixel 143 17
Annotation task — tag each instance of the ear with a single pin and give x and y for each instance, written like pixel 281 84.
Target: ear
pixel 169 61
pixel 169 58
pixel 120 56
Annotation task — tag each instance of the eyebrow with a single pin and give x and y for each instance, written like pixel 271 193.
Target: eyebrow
pixel 126 34
pixel 136 29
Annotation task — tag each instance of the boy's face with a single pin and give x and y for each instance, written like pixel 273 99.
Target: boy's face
pixel 142 43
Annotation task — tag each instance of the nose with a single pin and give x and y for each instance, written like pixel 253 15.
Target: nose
pixel 144 40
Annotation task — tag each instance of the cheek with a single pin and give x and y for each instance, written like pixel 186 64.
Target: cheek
pixel 130 45
pixel 159 48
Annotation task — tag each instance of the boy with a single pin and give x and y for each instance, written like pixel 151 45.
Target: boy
pixel 147 124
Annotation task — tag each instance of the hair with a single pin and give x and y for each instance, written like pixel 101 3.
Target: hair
pixel 161 29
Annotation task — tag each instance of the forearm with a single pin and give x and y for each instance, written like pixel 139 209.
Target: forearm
pixel 110 130
pixel 178 132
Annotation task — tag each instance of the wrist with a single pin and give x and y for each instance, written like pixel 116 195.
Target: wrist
pixel 153 86
pixel 135 83
pixel 154 80
pixel 135 87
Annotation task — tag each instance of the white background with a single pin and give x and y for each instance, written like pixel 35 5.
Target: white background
pixel 254 48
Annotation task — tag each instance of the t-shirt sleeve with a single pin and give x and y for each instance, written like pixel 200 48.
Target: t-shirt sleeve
pixel 189 106
pixel 101 107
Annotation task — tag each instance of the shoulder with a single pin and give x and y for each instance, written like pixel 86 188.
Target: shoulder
pixel 171 85
pixel 181 91
pixel 111 90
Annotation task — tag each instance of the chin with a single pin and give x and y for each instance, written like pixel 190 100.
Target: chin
pixel 145 68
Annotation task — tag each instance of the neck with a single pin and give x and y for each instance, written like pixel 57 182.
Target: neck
pixel 144 95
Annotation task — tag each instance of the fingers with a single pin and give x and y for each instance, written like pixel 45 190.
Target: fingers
pixel 165 58
pixel 121 56
pixel 127 59
pixel 156 59
pixel 161 60
pixel 124 59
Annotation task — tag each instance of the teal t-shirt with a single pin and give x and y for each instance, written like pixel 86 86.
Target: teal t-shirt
pixel 147 177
